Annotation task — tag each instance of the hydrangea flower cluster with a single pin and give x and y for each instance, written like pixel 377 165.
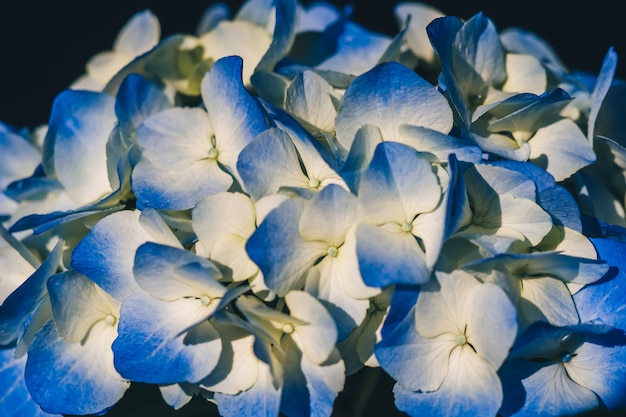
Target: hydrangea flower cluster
pixel 252 212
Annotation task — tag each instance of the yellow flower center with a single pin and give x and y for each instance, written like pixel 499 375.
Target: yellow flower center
pixel 212 154
pixel 110 320
pixel 314 183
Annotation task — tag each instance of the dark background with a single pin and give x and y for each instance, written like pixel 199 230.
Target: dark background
pixel 45 45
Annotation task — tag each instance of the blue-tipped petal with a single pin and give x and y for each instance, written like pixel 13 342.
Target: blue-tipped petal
pixel 261 400
pixel 15 400
pixel 309 389
pixel 136 99
pixel 472 387
pixel 280 252
pixel 388 96
pixel 75 145
pixel 235 114
pixel 74 378
pixel 270 162
pixel 284 35
pixel 150 347
pixel 107 253
pixel 603 83
pixel 16 309
pixel 417 363
pixel 170 273
pixel 387 258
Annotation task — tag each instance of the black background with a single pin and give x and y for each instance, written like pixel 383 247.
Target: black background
pixel 45 45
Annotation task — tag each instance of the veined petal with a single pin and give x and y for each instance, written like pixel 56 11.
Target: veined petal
pixel 15 400
pixel 309 98
pixel 471 387
pixel 74 378
pixel 75 144
pixel 387 96
pixel 387 257
pixel 329 215
pixel 550 391
pixel 439 144
pixel 175 138
pixel 280 252
pixel 324 282
pixel 237 37
pixel 397 185
pixel 107 253
pixel 78 305
pixel 262 399
pixel 351 281
pixel 221 214
pixel 601 88
pixel 283 36
pixel 235 114
pixel 170 273
pixel 420 15
pixel 150 347
pixel 525 74
pixel 416 362
pixel 178 189
pixel 18 306
pixel 525 216
pixel 324 382
pixel 602 370
pixel 18 157
pixel 491 322
pixel 223 223
pixel 547 299
pixel 318 336
pixel 136 99
pixel 238 366
pixel 561 149
pixel 269 162
pixel 440 306
pixel 310 388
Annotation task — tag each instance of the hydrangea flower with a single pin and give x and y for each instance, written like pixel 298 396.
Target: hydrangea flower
pixel 249 215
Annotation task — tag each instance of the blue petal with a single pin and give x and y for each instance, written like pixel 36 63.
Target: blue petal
pixel 74 149
pixel 41 223
pixel 403 352
pixel 15 399
pixel 18 157
pixel 308 389
pixel 269 162
pixel 402 302
pixel 137 99
pixel 603 83
pixel 278 249
pixel 604 300
pixel 387 96
pixel 106 254
pixel 235 114
pixel 73 378
pixel 261 400
pixel 471 388
pixel 441 33
pixel 387 258
pixel 284 35
pixel 150 347
pixel 18 306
